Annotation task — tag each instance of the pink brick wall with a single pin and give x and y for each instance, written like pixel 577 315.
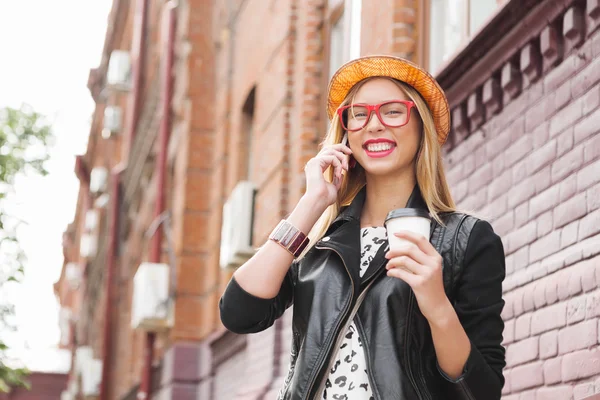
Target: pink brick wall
pixel 525 155
pixel 534 170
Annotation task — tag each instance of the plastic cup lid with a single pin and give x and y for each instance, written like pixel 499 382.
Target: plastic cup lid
pixel 407 212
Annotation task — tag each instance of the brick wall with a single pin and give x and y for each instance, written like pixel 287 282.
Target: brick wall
pixel 44 386
pixel 524 152
pixel 529 159
pixel 391 27
pixel 286 69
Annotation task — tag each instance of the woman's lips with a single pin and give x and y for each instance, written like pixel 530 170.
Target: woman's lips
pixel 379 148
pixel 380 154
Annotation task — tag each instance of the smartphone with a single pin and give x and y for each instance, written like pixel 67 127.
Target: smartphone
pixel 345 143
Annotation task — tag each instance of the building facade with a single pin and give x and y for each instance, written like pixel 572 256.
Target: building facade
pixel 43 386
pixel 224 99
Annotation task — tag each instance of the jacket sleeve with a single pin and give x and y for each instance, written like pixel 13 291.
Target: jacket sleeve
pixel 242 312
pixel 478 304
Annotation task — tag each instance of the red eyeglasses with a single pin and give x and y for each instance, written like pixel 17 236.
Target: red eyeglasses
pixel 393 114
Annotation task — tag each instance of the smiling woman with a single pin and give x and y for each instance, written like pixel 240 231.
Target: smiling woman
pixel 392 107
pixel 370 321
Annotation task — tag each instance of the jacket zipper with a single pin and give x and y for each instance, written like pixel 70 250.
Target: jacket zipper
pixel 323 357
pixel 368 358
pixel 340 336
pixel 368 281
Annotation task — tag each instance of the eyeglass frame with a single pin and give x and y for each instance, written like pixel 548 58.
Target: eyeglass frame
pixel 375 107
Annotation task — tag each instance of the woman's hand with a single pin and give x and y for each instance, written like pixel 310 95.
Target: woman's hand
pixel 420 266
pixel 335 156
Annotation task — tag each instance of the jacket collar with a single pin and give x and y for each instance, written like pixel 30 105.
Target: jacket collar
pixel 354 210
pixel 343 235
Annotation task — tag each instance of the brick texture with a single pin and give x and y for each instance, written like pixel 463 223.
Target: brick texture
pixel 549 172
pixel 249 89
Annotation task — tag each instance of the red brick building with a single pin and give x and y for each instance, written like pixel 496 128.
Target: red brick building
pixel 245 103
pixel 44 386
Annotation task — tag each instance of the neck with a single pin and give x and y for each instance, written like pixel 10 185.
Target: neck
pixel 384 194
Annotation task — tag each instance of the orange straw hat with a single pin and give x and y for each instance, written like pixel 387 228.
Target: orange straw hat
pixel 403 70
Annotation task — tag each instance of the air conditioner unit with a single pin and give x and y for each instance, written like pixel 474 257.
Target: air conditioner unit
pixel 91 220
pixel 151 308
pixel 73 275
pixel 66 395
pixel 118 76
pixel 82 355
pixel 88 245
pixel 102 201
pixel 236 230
pixel 73 388
pixel 98 180
pixel 91 376
pixel 113 117
pixel 64 324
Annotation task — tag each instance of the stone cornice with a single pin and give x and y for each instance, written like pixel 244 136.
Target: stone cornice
pixel 523 41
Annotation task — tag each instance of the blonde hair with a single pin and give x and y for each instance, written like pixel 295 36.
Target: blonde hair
pixel 430 174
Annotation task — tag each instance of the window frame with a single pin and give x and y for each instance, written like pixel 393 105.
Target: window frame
pixel 424 47
pixel 334 10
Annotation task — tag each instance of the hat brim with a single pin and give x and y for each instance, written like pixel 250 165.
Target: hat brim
pixel 403 70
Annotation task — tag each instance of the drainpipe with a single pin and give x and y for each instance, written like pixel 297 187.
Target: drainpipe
pixel 83 175
pixel 160 172
pixel 138 55
pixel 111 256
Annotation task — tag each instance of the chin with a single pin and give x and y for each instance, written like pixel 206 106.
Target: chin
pixel 383 170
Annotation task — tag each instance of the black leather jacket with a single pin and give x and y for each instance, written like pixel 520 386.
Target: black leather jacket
pixel 325 284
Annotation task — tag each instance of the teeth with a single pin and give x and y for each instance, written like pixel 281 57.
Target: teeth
pixel 379 146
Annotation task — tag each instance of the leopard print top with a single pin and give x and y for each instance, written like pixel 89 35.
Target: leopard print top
pixel 348 378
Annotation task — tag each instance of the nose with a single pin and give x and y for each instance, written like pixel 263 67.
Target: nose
pixel 374 124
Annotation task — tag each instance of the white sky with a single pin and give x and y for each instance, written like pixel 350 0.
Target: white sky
pixel 47 49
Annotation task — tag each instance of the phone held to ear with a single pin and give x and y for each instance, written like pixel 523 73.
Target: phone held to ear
pixel 351 160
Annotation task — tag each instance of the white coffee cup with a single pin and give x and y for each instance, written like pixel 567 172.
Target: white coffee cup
pixel 406 219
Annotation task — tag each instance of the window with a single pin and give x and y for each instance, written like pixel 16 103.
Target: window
pixel 452 23
pixel 344 33
pixel 336 45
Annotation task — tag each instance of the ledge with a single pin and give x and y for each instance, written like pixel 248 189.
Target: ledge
pixel 522 42
pixel 495 43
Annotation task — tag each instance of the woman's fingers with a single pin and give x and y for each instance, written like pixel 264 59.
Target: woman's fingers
pixel 334 156
pixel 338 168
pixel 339 147
pixel 411 279
pixel 326 161
pixel 420 241
pixel 339 154
pixel 406 263
pixel 334 162
pixel 410 250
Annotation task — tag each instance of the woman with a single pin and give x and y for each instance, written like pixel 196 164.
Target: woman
pixel 419 322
